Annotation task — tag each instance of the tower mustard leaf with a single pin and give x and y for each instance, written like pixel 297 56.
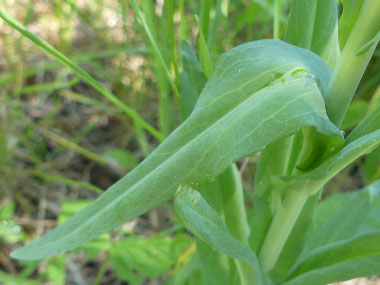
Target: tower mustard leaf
pixel 258 93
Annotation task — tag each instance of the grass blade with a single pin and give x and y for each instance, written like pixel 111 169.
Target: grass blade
pixel 204 222
pixel 80 72
pixel 154 44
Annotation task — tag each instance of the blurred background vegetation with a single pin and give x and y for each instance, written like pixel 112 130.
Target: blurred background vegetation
pixel 62 143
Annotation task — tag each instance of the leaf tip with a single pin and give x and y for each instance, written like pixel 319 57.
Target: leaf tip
pixel 18 254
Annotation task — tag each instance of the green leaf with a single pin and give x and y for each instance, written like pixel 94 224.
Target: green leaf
pixel 214 266
pixel 204 55
pixel 348 259
pixel 136 258
pixel 316 178
pixel 259 92
pixel 93 248
pixel 192 80
pixel 206 7
pixel 316 149
pixel 367 46
pixel 261 219
pixel 235 215
pixel 269 164
pixel 351 9
pixel 313 24
pixel 202 220
pixel 344 242
pixel 344 215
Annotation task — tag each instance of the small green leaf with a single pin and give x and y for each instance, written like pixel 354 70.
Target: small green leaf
pixel 366 47
pixel 316 178
pixel 204 55
pixel 202 220
pixel 351 9
pixel 261 219
pixel 254 97
pixel 317 148
pixel 313 24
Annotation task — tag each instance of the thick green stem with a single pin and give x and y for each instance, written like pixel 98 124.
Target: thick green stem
pixel 351 66
pixel 280 229
pixel 233 200
pixel 236 217
pixel 345 79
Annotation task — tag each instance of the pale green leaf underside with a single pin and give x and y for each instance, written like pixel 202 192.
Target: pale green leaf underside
pixel 255 96
pixel 344 215
pixel 203 221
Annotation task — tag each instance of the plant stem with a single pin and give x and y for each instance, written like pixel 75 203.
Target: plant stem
pixel 233 200
pixel 276 19
pixel 345 79
pixel 235 216
pixel 172 39
pixel 206 6
pixel 156 50
pixel 351 66
pixel 280 228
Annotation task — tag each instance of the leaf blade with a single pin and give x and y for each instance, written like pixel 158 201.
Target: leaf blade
pixel 345 239
pixel 356 257
pixel 265 103
pixel 200 218
pixel 319 176
pixel 313 24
